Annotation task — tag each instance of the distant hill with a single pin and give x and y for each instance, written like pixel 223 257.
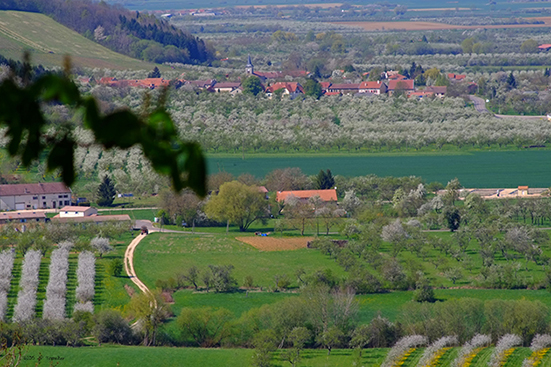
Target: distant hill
pixel 141 36
pixel 49 41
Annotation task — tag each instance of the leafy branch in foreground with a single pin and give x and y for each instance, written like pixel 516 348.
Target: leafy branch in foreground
pixel 21 113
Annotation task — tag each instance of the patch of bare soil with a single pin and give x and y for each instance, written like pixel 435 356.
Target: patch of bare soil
pixel 276 244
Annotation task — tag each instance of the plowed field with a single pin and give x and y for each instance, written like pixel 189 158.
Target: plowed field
pixel 275 244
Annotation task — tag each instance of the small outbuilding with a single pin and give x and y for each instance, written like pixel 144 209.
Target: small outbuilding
pixel 523 191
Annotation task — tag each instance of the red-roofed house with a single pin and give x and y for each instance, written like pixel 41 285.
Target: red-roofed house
pixel 34 196
pixel 456 77
pixel 153 83
pixel 225 87
pixel 396 77
pixel 437 91
pixel 344 88
pixel 325 85
pixel 289 88
pixel 406 85
pixel 25 216
pixel 377 87
pixel 420 94
pixel 325 195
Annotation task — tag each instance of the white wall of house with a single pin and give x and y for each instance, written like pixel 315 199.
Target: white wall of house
pixel 25 202
pixel 84 212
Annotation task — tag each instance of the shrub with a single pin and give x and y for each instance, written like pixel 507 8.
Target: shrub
pixel 116 267
pixel 111 327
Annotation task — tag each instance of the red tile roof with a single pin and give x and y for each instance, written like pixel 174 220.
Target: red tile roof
pixel 456 76
pixel 437 90
pixel 370 85
pixel 325 85
pixel 26 214
pixel 396 77
pixel 406 84
pixel 227 85
pixel 92 218
pixel 34 189
pixel 291 87
pixel 325 195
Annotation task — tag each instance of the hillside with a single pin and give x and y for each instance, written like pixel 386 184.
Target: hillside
pixel 49 41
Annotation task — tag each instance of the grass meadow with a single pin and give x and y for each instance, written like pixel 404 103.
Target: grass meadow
pixel 130 356
pixel 49 42
pixel 480 169
pixel 163 255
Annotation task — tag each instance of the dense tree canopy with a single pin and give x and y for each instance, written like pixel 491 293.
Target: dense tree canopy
pixel 237 203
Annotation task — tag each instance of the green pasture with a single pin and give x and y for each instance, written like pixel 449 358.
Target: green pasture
pixel 481 169
pixel 391 305
pixel 49 42
pixel 113 355
pixel 161 256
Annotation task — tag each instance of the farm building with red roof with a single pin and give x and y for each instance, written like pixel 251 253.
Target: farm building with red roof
pixel 325 195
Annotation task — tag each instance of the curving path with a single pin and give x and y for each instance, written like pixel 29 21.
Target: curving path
pixel 129 253
pixel 129 263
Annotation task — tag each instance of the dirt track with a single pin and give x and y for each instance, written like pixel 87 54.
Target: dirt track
pixel 129 263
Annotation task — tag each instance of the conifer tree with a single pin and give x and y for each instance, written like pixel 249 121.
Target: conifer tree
pixel 106 192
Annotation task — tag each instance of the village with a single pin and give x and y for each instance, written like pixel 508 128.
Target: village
pixel 391 83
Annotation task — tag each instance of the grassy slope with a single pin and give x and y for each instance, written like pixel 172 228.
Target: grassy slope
pixel 49 41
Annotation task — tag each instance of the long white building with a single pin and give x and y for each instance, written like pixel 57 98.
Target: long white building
pixel 34 196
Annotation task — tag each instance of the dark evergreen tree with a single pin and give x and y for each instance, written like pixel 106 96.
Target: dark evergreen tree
pixel 252 85
pixel 155 73
pixel 511 81
pixel 453 218
pixel 313 88
pixel 325 180
pixel 106 192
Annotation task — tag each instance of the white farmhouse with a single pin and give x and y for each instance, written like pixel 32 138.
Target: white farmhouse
pixel 34 196
pixel 77 211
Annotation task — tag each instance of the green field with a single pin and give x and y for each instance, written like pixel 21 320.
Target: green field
pixel 482 169
pixel 131 356
pixel 161 256
pixel 49 42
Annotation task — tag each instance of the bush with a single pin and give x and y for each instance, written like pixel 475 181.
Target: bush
pixel 111 327
pixel 116 267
